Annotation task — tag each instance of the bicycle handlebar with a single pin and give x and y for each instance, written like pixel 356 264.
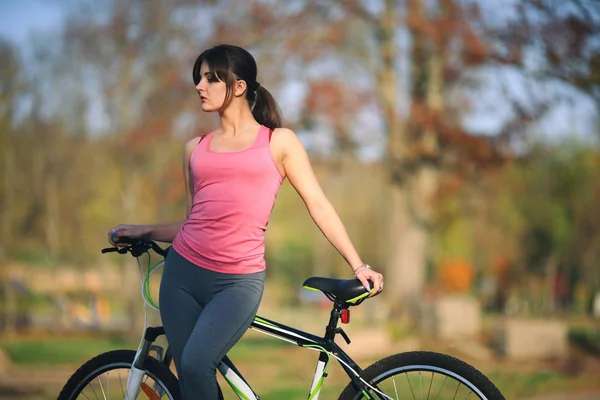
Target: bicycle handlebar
pixel 136 247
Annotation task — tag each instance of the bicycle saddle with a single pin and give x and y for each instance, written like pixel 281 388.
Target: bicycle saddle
pixel 350 291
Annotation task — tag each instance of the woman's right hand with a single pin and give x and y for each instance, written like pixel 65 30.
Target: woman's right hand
pixel 131 231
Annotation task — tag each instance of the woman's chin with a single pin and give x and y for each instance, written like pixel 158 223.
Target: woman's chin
pixel 207 108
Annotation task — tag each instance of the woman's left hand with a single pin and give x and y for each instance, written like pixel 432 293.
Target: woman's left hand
pixel 364 273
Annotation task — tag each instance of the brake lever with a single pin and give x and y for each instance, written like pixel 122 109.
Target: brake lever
pixel 120 250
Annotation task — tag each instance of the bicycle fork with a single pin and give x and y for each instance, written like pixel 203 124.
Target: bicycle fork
pixel 138 369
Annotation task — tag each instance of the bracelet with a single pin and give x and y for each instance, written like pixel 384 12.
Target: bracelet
pixel 363 265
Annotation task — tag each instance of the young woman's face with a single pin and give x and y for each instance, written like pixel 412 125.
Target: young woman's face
pixel 212 91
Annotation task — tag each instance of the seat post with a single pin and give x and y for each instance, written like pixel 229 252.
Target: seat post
pixel 334 317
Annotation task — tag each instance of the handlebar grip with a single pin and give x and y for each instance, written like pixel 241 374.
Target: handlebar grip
pixel 115 238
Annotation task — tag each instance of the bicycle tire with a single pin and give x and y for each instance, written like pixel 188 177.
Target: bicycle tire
pixel 118 359
pixel 424 362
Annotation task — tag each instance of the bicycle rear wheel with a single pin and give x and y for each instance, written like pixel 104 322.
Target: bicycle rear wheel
pixel 424 375
pixel 105 377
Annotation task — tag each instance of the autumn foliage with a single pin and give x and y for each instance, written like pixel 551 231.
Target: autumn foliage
pixel 456 276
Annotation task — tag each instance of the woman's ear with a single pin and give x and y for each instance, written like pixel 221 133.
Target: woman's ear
pixel 240 88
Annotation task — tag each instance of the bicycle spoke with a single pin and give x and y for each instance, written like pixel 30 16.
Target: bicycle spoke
pixel 85 396
pixel 455 393
pixel 381 389
pixel 395 388
pixel 93 391
pixel 430 385
pixel 121 381
pixel 411 389
pixel 102 388
pixel 441 387
pixel 108 383
pixel 420 385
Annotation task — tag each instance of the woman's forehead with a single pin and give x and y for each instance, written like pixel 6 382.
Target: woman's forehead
pixel 204 68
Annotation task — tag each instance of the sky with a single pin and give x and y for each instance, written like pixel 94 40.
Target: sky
pixel 20 18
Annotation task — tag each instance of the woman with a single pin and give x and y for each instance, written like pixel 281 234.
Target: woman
pixel 214 274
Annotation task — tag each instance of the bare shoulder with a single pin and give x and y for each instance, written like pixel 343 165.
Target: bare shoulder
pixel 190 145
pixel 283 134
pixel 285 139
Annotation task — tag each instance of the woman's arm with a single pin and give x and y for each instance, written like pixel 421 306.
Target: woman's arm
pixel 160 232
pixel 297 168
pixel 164 232
pixel 190 146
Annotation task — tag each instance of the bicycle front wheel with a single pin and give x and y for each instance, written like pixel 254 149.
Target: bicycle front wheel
pixel 105 377
pixel 423 375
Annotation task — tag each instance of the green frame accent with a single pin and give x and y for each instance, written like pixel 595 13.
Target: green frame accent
pixel 362 296
pixel 262 321
pixel 353 300
pixel 311 288
pixel 322 378
pixel 236 390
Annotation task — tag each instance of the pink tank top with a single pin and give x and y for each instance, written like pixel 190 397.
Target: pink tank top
pixel 234 193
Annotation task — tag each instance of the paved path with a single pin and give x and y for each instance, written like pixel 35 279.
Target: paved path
pixel 27 383
pixel 573 396
pixel 24 384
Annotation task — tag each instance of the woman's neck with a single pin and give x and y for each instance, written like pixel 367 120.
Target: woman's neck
pixel 237 118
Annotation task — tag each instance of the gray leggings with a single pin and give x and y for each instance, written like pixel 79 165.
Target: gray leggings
pixel 204 314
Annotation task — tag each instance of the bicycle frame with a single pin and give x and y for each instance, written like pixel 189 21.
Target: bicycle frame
pixel 325 345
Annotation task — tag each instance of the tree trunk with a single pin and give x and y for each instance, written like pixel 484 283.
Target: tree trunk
pixel 551 284
pixel 10 307
pixel 7 200
pixel 411 149
pixel 51 224
pixel 409 242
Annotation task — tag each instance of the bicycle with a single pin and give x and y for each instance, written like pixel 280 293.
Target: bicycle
pixel 404 375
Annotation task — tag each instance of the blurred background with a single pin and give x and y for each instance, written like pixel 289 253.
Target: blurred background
pixel 458 139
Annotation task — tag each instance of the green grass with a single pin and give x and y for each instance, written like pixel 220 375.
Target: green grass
pixel 525 384
pixel 278 370
pixel 58 351
pixel 330 391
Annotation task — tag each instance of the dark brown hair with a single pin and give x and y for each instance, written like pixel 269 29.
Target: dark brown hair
pixel 230 63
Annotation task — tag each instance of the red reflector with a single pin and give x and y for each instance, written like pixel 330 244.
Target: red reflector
pixel 345 316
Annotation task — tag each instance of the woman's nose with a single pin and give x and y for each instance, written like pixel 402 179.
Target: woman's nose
pixel 201 85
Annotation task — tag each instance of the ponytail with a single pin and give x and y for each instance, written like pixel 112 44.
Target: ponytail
pixel 266 111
